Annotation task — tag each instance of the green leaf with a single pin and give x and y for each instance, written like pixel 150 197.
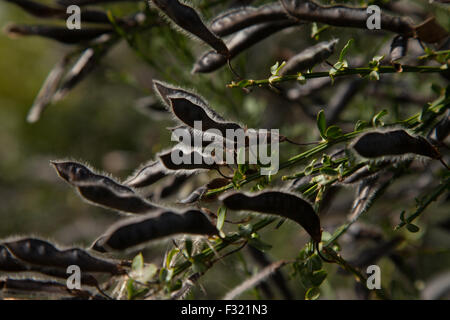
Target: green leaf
pixel 312 293
pixel 402 216
pixel 138 263
pixel 329 171
pixel 333 132
pixel 376 120
pixel 318 277
pixel 361 124
pixel 170 255
pixel 257 243
pixel 274 68
pixel 221 215
pixel 374 75
pixel 344 50
pixel 188 247
pixel 148 273
pixel 322 124
pixel 412 228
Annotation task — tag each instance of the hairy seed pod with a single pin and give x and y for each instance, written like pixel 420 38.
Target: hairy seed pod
pixel 199 193
pixel 393 143
pixel 211 61
pixel 102 190
pixel 147 175
pixel 399 47
pixel 165 90
pixel 47 287
pixel 133 232
pixel 309 57
pixel 10 263
pixel 60 34
pixel 188 112
pixel 39 252
pixel 172 186
pixel 66 3
pixel 189 20
pixel 43 11
pixel 196 161
pixel 343 16
pixel 279 203
pixel 48 90
pixel 85 64
pixel 240 18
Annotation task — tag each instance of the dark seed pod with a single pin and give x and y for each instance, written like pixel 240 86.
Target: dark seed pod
pixel 48 90
pixel 393 143
pixel 240 18
pixel 189 20
pixel 172 186
pixel 343 16
pixel 39 252
pixel 309 57
pixel 60 34
pixel 47 287
pixel 198 194
pixel 399 47
pixel 43 11
pixel 102 190
pixel 166 90
pixel 279 203
pixel 85 64
pixel 196 161
pixel 133 232
pixel 147 175
pixel 211 61
pixel 66 3
pixel 10 263
pixel 188 112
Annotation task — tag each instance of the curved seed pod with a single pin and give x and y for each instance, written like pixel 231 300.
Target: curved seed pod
pixel 147 175
pixel 60 34
pixel 166 90
pixel 188 112
pixel 43 11
pixel 172 186
pixel 309 57
pixel 240 18
pixel 279 203
pixel 102 190
pixel 391 143
pixel 48 89
pixel 85 64
pixel 66 3
pixel 198 194
pixel 47 287
pixel 39 252
pixel 189 20
pixel 211 61
pixel 133 232
pixel 342 16
pixel 196 161
pixel 399 47
pixel 10 263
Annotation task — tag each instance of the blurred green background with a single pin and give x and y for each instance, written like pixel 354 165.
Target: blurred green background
pixel 98 123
